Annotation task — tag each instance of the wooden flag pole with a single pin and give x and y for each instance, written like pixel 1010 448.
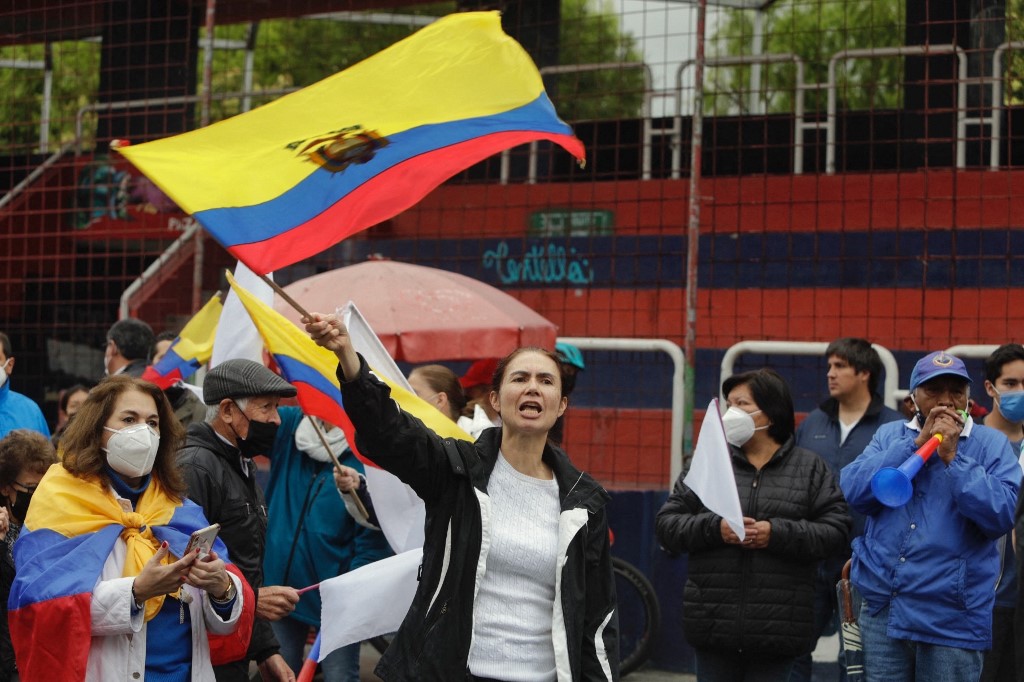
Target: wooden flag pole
pixel 352 494
pixel 284 294
pixel 316 427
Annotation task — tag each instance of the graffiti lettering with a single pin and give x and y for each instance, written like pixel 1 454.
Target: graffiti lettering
pixel 544 265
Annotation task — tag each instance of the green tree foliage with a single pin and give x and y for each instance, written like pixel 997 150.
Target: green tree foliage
pixel 76 75
pixel 293 53
pixel 590 34
pixel 814 30
pixel 1014 59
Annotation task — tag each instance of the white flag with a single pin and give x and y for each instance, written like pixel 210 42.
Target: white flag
pixel 399 510
pixel 374 599
pixel 237 336
pixel 369 601
pixel 710 476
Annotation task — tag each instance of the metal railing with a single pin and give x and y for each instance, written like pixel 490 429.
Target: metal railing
pixel 815 349
pixel 46 66
pixel 743 60
pixel 645 110
pixel 996 131
pixel 678 374
pixel 903 51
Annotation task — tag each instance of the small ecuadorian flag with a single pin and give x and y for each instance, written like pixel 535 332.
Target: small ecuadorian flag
pixel 191 350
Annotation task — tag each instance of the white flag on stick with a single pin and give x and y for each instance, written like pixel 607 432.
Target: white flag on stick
pixel 399 510
pixel 710 476
pixel 237 336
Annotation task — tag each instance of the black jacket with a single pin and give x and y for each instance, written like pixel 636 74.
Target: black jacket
pixel 451 477
pixel 758 601
pixel 213 472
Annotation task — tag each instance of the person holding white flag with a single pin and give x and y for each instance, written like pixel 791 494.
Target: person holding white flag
pixel 748 601
pixel 516 580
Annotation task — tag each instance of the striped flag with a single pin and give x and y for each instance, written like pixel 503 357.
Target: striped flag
pixel 191 350
pixel 288 180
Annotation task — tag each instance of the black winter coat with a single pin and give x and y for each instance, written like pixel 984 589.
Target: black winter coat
pixel 758 600
pixel 451 477
pixel 213 472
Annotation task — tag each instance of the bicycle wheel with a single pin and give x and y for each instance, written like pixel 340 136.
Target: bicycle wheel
pixel 639 615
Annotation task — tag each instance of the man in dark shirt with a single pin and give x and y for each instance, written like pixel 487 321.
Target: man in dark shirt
pixel 839 430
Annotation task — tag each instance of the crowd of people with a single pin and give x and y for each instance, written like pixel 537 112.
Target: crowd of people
pixel 516 580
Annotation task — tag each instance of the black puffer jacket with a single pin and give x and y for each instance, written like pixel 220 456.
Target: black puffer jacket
pixel 213 472
pixel 753 601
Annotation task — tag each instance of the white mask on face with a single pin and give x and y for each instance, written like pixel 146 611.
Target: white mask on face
pixel 739 426
pixel 132 450
pixel 4 376
pixel 307 441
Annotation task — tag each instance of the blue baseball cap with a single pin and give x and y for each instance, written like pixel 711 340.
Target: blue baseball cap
pixel 936 364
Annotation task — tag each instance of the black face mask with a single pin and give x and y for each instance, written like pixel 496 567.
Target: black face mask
pixel 19 508
pixel 260 440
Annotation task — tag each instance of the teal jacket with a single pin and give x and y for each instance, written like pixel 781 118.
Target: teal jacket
pixel 310 536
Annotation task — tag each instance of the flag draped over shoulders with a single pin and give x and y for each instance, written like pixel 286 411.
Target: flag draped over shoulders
pixel 70 530
pixel 289 179
pixel 191 350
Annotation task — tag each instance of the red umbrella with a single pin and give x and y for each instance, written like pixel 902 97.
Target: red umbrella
pixel 423 314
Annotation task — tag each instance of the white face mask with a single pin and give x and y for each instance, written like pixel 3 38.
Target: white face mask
pixel 739 426
pixel 4 376
pixel 132 450
pixel 307 441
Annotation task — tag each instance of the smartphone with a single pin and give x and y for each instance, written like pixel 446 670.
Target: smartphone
pixel 203 539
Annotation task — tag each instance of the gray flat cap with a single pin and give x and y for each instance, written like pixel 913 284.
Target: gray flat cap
pixel 242 379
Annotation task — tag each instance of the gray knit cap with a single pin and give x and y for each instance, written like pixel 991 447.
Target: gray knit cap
pixel 243 379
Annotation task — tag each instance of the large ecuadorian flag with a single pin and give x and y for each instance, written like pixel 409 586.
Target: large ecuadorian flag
pixel 292 178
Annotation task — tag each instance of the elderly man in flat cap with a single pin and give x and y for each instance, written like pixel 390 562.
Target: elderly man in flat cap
pixel 927 570
pixel 216 460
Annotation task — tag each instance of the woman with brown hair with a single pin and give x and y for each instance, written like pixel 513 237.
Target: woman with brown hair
pixel 104 584
pixel 516 580
pixel 440 387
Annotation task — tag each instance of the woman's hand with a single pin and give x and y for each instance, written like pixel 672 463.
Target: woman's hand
pixel 346 479
pixel 329 332
pixel 210 575
pixel 756 534
pixel 5 522
pixel 156 578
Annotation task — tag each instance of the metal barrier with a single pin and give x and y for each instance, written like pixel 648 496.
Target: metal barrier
pixel 678 374
pixel 46 66
pixel 813 348
pixel 906 50
pixel 799 125
pixel 645 113
pixel 996 131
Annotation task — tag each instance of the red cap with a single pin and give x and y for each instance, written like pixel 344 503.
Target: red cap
pixel 479 373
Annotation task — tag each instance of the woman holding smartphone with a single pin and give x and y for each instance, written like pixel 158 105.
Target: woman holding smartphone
pixel 105 588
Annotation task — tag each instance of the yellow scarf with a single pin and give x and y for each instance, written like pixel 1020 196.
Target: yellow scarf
pixel 75 506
